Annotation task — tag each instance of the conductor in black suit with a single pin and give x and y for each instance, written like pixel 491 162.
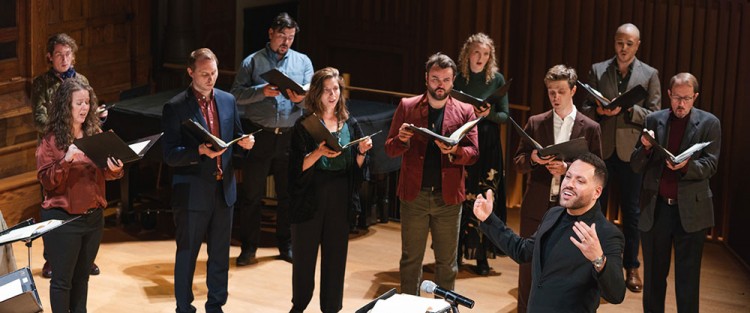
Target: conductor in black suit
pixel 579 255
pixel 676 201
pixel 203 185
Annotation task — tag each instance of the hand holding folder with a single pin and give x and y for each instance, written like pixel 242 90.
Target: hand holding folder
pixel 626 100
pixel 671 158
pixel 451 140
pixel 478 102
pixel 565 151
pixel 314 126
pixel 199 132
pixel 107 146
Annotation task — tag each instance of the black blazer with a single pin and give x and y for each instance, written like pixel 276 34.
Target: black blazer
pixel 694 197
pixel 569 283
pixel 194 175
pixel 300 189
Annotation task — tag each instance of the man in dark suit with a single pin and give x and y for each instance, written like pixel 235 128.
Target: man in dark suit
pixel 620 132
pixel 576 253
pixel 676 201
pixel 203 185
pixel 560 124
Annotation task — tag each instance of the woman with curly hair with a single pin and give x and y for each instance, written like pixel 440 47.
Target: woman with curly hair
pixel 73 186
pixel 478 76
pixel 322 183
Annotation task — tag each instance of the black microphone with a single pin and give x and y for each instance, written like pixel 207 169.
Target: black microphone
pixel 450 296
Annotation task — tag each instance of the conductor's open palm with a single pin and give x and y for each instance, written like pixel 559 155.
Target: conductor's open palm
pixel 483 207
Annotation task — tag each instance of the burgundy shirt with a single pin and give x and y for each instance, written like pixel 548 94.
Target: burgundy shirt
pixel 74 187
pixel 208 110
pixel 670 178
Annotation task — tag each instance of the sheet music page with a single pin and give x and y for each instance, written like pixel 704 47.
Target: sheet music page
pixel 138 146
pixel 10 290
pixel 28 231
pixel 410 303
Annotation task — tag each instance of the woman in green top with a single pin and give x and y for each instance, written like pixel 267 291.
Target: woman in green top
pixel 478 76
pixel 322 183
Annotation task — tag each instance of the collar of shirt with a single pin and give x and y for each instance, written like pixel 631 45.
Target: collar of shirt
pixel 202 100
pixel 273 56
pixel 563 126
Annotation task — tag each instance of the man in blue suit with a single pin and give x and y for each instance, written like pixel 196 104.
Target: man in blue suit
pixel 203 185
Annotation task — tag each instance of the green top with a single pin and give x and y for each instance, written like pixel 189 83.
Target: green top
pixel 340 162
pixel 476 87
pixel 43 87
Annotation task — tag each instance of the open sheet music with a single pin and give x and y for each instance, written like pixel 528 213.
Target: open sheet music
pixel 276 77
pixel 200 133
pixel 670 156
pixel 107 144
pixel 625 100
pixel 451 140
pixel 314 126
pixel 565 151
pixel 30 232
pixel 478 102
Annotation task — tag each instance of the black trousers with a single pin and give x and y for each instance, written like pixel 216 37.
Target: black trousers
pixel 630 192
pixel 666 233
pixel 71 249
pixel 192 227
pixel 329 230
pixel 269 156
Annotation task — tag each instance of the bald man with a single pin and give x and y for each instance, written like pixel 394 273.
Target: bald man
pixel 620 132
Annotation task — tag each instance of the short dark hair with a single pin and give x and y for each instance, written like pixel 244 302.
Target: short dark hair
pixel 61 39
pixel 561 72
pixel 283 20
pixel 442 61
pixel 600 169
pixel 201 54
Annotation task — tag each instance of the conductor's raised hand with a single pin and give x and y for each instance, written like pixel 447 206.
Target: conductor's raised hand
pixel 271 90
pixel 247 143
pixel 205 149
pixel 483 207
pixel 588 241
pixel 404 134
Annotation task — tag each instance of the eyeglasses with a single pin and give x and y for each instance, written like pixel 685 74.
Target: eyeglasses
pixel 681 99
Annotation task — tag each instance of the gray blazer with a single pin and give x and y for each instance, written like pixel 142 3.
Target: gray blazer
pixel 694 198
pixel 623 130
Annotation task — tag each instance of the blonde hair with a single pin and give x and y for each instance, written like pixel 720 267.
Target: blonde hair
pixel 463 58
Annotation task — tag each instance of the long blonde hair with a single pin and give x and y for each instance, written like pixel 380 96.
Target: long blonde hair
pixel 463 58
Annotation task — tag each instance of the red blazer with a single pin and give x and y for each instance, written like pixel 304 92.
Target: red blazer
pixel 541 128
pixel 414 110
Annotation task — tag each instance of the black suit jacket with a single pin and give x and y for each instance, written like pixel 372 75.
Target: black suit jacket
pixel 694 197
pixel 195 175
pixel 568 282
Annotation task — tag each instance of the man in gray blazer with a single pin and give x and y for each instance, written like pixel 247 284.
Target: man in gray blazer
pixel 676 203
pixel 620 131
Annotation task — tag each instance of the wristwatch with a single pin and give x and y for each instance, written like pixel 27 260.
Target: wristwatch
pixel 599 262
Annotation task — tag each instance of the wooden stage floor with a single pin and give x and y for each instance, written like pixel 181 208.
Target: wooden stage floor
pixel 137 276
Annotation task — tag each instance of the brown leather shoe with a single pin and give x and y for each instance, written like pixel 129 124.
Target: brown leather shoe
pixel 47 270
pixel 633 280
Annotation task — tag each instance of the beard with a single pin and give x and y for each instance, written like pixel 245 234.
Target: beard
pixel 577 202
pixel 433 93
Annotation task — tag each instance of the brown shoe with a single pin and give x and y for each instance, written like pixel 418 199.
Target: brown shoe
pixel 633 280
pixel 47 270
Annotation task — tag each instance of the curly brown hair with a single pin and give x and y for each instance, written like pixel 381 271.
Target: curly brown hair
pixel 463 58
pixel 312 99
pixel 61 113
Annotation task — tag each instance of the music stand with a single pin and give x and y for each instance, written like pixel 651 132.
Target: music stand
pixel 27 231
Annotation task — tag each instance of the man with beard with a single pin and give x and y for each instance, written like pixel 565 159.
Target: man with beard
pixel 676 199
pixel 266 108
pixel 579 255
pixel 560 124
pixel 431 183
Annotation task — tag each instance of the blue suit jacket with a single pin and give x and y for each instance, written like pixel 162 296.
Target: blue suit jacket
pixel 195 175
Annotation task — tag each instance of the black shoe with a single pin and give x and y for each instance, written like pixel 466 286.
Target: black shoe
pixel 483 268
pixel 285 254
pixel 47 270
pixel 94 269
pixel 246 258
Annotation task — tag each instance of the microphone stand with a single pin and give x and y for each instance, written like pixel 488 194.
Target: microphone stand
pixel 452 302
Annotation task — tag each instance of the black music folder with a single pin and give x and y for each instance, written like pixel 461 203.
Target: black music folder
pixel 107 144
pixel 626 100
pixel 276 77
pixel 196 130
pixel 320 133
pixel 451 140
pixel 479 103
pixel 18 293
pixel 565 151
pixel 675 159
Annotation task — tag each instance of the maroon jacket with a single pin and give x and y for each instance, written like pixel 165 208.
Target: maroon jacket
pixel 414 110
